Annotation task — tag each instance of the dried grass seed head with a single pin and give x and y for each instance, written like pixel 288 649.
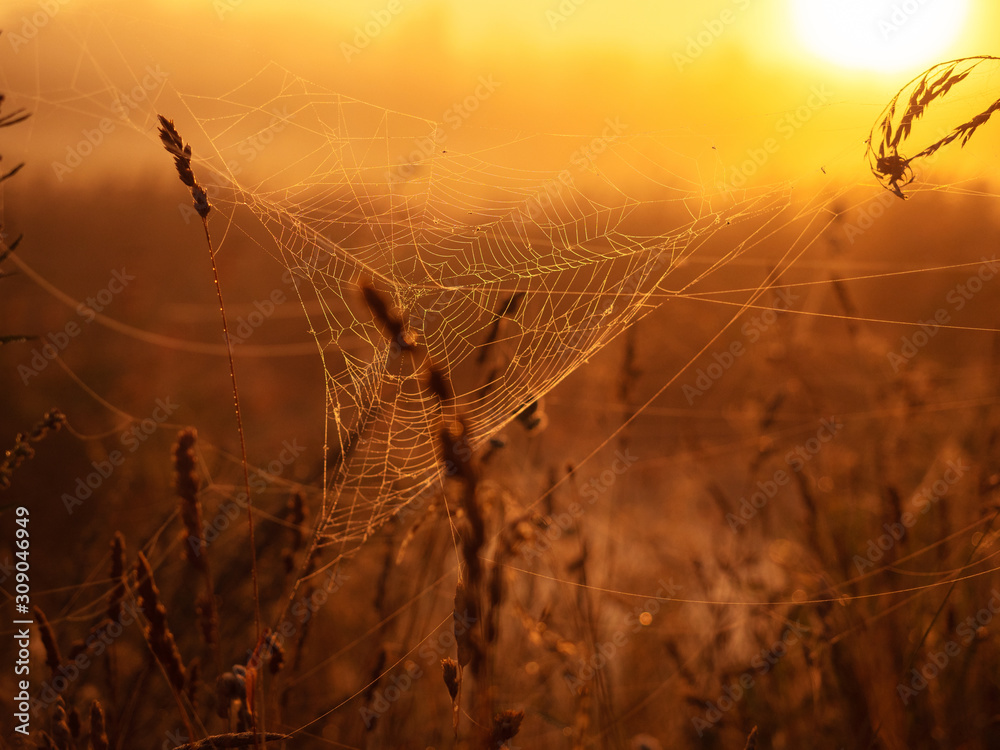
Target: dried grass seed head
pixel 181 152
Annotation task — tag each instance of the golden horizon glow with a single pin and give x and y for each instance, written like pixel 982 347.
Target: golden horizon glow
pixel 879 35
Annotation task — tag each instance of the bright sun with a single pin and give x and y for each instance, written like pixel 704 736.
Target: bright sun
pixel 883 35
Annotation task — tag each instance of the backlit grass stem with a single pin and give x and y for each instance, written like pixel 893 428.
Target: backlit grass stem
pixel 181 152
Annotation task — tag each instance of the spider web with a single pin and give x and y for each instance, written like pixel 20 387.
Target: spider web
pixel 507 278
pixel 511 258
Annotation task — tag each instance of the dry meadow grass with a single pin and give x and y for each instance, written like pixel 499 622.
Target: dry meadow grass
pixel 803 558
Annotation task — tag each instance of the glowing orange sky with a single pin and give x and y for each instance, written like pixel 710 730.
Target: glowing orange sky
pixel 563 67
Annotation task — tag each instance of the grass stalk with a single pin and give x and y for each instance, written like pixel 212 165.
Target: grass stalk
pixel 182 159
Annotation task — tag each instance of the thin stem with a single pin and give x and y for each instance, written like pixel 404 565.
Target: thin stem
pixel 246 471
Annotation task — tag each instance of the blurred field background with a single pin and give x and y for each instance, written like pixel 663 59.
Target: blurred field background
pixel 644 602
